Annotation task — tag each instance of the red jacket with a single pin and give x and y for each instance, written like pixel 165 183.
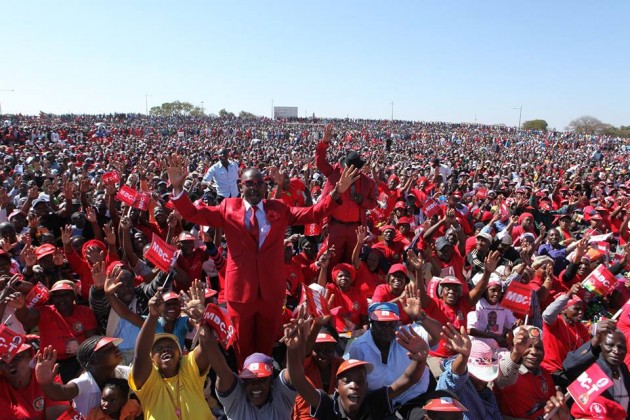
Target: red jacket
pixel 250 272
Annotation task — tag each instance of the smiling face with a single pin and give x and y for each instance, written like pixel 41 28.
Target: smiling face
pixel 18 371
pixel 389 235
pixel 451 293
pixel 352 387
pixel 534 354
pixel 493 294
pixel 165 355
pixel 553 237
pixel 397 282
pixel 253 186
pixel 257 390
pixel 171 309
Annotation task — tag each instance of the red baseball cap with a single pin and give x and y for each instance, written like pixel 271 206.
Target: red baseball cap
pixel 404 220
pixel 450 280
pixel 210 293
pixel 63 285
pixel 351 364
pixel 185 236
pixel 398 268
pixel 325 338
pixel 257 365
pixel 387 227
pixel 105 341
pixel 444 404
pixel 170 296
pixel 400 205
pixel 43 250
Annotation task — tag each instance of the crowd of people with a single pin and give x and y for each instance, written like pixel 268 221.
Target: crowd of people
pixel 362 267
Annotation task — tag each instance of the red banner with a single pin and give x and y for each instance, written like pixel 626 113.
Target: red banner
pixel 312 229
pixel 600 281
pixel 37 296
pixel 218 319
pixel 315 303
pixel 589 385
pixel 10 342
pixel 127 195
pixel 482 193
pixel 142 201
pixel 518 298
pixel 505 211
pixel 160 253
pixel 111 177
pixel 431 208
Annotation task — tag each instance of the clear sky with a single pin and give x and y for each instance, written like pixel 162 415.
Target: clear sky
pixel 436 60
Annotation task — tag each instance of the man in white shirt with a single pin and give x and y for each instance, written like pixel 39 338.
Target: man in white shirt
pixel 223 176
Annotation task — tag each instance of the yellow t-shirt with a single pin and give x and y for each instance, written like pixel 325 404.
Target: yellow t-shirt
pixel 157 402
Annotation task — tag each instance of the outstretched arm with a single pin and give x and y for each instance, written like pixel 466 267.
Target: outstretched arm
pixel 320 152
pixel 417 351
pixel 142 365
pixel 45 371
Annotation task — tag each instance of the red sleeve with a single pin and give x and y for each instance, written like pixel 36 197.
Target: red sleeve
pixel 320 159
pixel 201 215
pixel 82 269
pixel 380 293
pixel 312 214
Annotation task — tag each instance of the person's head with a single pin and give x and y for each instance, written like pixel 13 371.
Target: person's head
pixel 443 249
pixel 526 220
pixel 44 255
pixel 492 318
pixel 93 251
pixel 450 290
pixel 483 242
pixel 18 371
pixel 5 263
pixel 564 222
pixel 504 244
pixel 481 365
pixel 614 348
pixel 443 408
pixel 172 306
pixel 404 225
pixel 114 396
pixel 165 354
pixel 541 262
pixel 186 243
pixel 62 295
pixel 573 310
pixel 160 215
pixel 584 266
pixel 257 376
pixel 324 349
pixel 18 219
pixel 553 237
pixel 139 241
pixel 535 353
pixel 373 260
pixel 343 275
pixel 389 233
pixel 224 154
pixel 451 236
pixel 397 278
pixel 7 232
pixel 288 252
pixel 384 321
pixel 99 353
pixel 253 186
pixel 309 248
pixel 352 384
pixel 41 205
pixel 494 290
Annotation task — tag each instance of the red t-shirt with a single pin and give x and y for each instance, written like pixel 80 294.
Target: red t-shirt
pixel 294 276
pixel 392 254
pixel 559 339
pixel 26 403
pixel 294 196
pixel 309 270
pixel 456 263
pixel 192 265
pixel 443 313
pixel 367 281
pixel 556 287
pixel 383 293
pixel 526 398
pixel 624 326
pixel 353 304
pixel 65 333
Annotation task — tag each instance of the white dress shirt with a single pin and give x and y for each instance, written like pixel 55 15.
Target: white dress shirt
pixel 263 225
pixel 223 179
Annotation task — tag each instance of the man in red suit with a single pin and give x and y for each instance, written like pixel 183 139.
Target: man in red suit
pixel 360 198
pixel 255 229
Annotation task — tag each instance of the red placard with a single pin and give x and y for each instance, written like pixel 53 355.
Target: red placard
pixel 315 303
pixel 312 229
pixel 518 298
pixel 37 296
pixel 600 281
pixel 127 195
pixel 431 208
pixel 482 193
pixel 10 342
pixel 218 319
pixel 589 385
pixel 505 211
pixel 160 253
pixel 142 201
pixel 111 177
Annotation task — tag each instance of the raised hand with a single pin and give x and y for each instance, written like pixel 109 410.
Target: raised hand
pixel 194 300
pixel 68 190
pixel 46 368
pixel 85 185
pixel 521 342
pixel 98 275
pixel 4 198
pixel 90 214
pixel 33 221
pixel 125 223
pixel 95 254
pixel 417 348
pixel 29 255
pixel 66 235
pixel 58 257
pixel 177 170
pixel 556 408
pixel 414 260
pixel 276 175
pixel 110 235
pixel 412 302
pixel 33 193
pixel 111 282
pixel 156 303
pixel 328 133
pixel 362 233
pixel 492 261
pixel 349 175
pixel 456 341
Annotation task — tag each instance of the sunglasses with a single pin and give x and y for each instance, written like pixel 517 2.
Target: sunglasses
pixel 250 184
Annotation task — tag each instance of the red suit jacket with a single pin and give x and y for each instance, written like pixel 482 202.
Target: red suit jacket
pixel 250 272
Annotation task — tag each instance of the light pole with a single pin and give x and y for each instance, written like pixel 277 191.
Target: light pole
pixel 146 103
pixel 520 113
pixel 392 103
pixel 4 90
pixel 202 111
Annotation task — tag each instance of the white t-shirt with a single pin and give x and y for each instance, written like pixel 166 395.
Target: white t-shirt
pixel 490 318
pixel 89 392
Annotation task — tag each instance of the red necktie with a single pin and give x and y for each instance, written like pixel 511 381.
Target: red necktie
pixel 253 224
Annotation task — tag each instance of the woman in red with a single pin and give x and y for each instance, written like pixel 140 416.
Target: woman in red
pixel 351 301
pixel 397 278
pixel 369 272
pixel 544 283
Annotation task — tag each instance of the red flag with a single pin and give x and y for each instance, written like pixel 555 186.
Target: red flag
pixel 482 193
pixel 600 281
pixel 315 303
pixel 142 201
pixel 127 195
pixel 160 253
pixel 10 342
pixel 37 296
pixel 518 298
pixel 218 319
pixel 312 229
pixel 505 212
pixel 111 177
pixel 430 208
pixel 589 385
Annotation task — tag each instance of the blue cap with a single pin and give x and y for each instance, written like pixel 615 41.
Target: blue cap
pixel 384 311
